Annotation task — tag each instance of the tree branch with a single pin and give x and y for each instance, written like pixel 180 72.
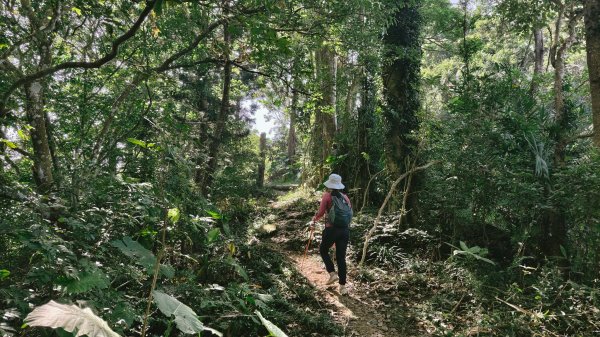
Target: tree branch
pixel 387 199
pixel 78 64
pixel 21 151
pixel 166 65
pixel 258 72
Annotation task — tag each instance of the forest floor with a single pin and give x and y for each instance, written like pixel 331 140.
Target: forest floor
pixel 365 310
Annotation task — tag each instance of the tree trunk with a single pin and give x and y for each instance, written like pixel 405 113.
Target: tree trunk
pixel 260 180
pixel 553 222
pixel 324 129
pixel 558 61
pixel 400 89
pixel 592 39
pixel 292 139
pixel 365 115
pixel 201 148
pixel 42 158
pixel 352 93
pixel 217 138
pixel 538 36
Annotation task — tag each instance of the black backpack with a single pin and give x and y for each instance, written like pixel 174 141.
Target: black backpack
pixel 340 213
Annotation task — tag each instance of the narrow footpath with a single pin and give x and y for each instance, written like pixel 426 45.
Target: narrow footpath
pixel 360 312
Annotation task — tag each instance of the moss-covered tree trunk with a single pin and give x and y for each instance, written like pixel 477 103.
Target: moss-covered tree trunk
pixel 401 91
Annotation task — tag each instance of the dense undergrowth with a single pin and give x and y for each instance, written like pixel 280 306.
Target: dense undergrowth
pixel 102 255
pixel 224 269
pixel 427 289
pixel 466 294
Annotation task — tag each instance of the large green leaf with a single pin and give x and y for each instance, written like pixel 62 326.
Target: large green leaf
pixel 71 318
pixel 85 282
pixel 141 255
pixel 273 329
pixel 136 251
pixel 137 142
pixel 185 318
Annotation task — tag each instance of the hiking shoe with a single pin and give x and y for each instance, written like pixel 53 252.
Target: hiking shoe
pixel 343 290
pixel 332 278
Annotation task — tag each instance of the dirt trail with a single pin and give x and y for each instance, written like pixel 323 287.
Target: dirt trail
pixel 359 312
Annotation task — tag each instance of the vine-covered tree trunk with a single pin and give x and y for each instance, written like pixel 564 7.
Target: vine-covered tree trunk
pixel 400 87
pixel 592 40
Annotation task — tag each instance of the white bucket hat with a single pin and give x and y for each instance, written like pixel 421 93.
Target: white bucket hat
pixel 334 182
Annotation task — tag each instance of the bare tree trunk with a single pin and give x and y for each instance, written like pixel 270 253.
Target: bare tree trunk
pixel 292 140
pixel 592 39
pixel 260 180
pixel 353 92
pixel 538 36
pixel 201 159
pixel 362 173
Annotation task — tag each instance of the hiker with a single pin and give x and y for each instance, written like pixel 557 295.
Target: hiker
pixel 337 229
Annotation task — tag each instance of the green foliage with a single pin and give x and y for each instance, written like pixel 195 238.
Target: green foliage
pixel 474 252
pixel 132 138
pixel 185 318
pixel 141 255
pixel 273 329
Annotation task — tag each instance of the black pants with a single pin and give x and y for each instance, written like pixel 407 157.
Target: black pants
pixel 340 237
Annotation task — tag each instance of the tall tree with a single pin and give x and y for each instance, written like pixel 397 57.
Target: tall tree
pixel 220 124
pixel 592 39
pixel 570 14
pixel 324 128
pixel 401 71
pixel 554 224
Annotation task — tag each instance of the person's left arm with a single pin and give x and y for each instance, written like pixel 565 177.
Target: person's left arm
pixel 325 201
